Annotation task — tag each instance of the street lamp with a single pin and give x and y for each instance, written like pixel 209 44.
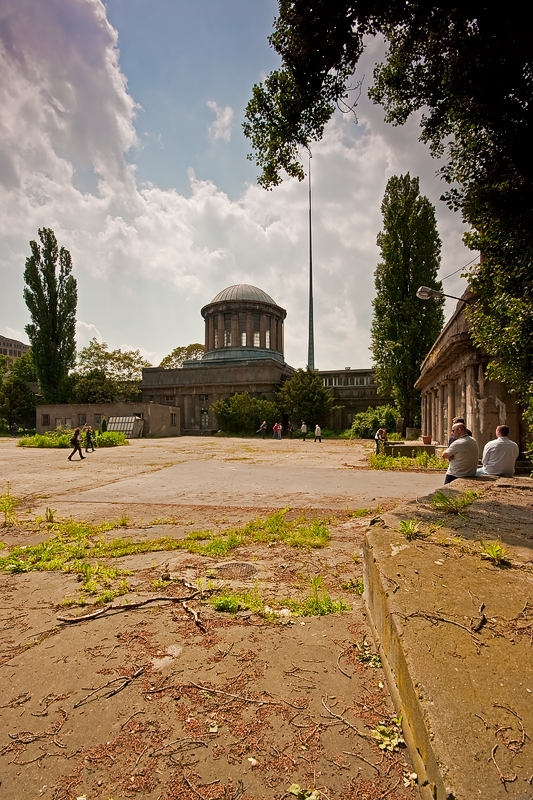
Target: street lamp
pixel 426 293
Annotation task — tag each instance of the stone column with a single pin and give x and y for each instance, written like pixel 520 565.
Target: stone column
pixel 262 329
pixel 451 405
pixel 235 330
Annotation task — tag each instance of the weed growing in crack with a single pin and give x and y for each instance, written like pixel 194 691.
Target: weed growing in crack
pixel 238 601
pixel 410 528
pixel 318 604
pixel 494 552
pixel 453 504
pixel 354 585
pixel 7 507
pixel 389 737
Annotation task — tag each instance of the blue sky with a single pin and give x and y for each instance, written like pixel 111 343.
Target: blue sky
pixel 120 128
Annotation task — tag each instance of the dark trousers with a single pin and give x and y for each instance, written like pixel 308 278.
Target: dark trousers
pixel 77 449
pixel 449 479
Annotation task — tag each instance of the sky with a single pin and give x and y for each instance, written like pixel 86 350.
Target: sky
pixel 120 129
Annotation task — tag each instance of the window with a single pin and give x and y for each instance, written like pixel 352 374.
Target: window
pixel 216 337
pixel 173 418
pixel 138 414
pixel 267 332
pixel 257 339
pixel 82 419
pixel 169 398
pixel 203 398
pixel 59 422
pixel 360 380
pixel 242 329
pixel 97 419
pixel 68 423
pixel 257 329
pixel 45 420
pixel 227 330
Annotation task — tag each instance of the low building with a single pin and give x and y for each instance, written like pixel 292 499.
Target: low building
pixel 159 419
pixel 453 383
pixel 354 390
pixel 12 347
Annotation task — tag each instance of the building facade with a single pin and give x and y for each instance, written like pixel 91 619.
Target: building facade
pixel 12 347
pixel 159 420
pixel 453 383
pixel 243 353
pixel 354 390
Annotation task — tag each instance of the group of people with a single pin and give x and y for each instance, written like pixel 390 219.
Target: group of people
pixel 462 454
pixel 277 429
pixel 76 442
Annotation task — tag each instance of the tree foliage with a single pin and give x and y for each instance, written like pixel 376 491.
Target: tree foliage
pixel 104 375
pixel 468 68
pixel 366 423
pixel 18 401
pixel 51 296
pixel 190 352
pixel 243 413
pixel 403 327
pixel 304 397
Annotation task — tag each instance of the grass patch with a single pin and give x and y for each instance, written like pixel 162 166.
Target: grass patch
pixel 420 461
pixel 62 439
pixel 317 604
pixel 453 504
pixel 231 602
pixel 74 545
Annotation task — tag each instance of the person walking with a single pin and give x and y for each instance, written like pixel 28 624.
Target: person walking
pixel 499 455
pixel 275 428
pixel 280 430
pixel 290 429
pixel 462 454
pixel 303 430
pixel 89 441
pixel 262 429
pixel 318 433
pixel 76 444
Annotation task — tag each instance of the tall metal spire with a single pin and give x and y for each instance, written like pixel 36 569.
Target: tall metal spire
pixel 311 345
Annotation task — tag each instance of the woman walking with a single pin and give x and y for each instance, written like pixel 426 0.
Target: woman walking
pixel 76 444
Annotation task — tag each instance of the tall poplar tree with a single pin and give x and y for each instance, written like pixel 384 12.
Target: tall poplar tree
pixel 403 327
pixel 51 296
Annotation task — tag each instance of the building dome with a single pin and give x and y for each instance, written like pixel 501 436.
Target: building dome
pixel 243 291
pixel 243 323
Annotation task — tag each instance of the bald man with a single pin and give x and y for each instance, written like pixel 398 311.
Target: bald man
pixel 462 454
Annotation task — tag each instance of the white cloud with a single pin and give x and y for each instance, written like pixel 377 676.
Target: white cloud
pixel 85 331
pixel 223 124
pixel 148 259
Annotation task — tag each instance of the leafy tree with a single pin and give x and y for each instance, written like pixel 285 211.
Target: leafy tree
pixel 366 423
pixel 305 397
pixel 106 375
pixel 243 413
pixel 51 296
pixel 18 401
pixel 190 352
pixel 403 328
pixel 469 70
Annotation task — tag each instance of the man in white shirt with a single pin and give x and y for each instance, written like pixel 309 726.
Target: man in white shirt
pixel 462 454
pixel 500 454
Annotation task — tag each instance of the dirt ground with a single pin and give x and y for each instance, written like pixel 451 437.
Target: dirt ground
pixel 165 700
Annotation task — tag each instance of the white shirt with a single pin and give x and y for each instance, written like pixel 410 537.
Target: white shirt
pixel 499 456
pixel 465 457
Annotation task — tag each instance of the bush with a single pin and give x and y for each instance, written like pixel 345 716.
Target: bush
pixel 111 439
pixel 366 423
pixel 243 413
pixel 62 438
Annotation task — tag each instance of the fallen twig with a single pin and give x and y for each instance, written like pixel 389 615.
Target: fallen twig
pixel 339 658
pixel 129 607
pixel 195 615
pixel 124 680
pixel 382 796
pixel 246 699
pixel 362 758
pixel 131 717
pixel 191 787
pixel 514 744
pixel 501 776
pixel 183 744
pixel 436 618
pixel 344 720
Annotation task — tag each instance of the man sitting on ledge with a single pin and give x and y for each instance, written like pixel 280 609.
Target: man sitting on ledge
pixel 499 455
pixel 462 453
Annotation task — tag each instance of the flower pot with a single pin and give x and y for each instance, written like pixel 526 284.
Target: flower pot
pixel 426 439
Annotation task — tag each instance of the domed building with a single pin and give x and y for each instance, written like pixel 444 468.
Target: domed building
pixel 243 353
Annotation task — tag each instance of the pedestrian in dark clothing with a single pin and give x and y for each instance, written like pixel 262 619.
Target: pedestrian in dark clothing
pixel 76 444
pixel 262 429
pixel 89 441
